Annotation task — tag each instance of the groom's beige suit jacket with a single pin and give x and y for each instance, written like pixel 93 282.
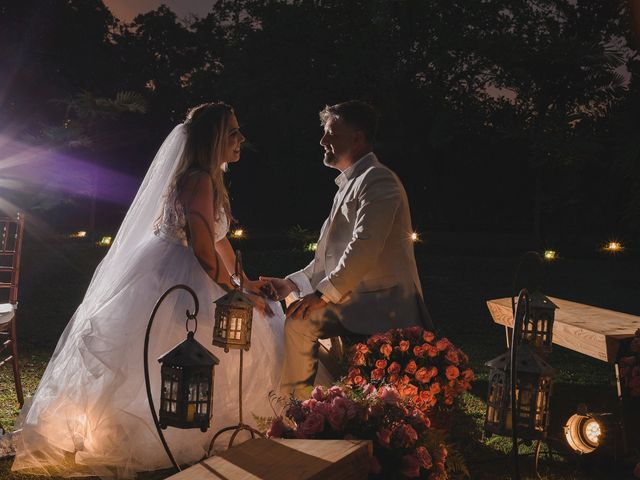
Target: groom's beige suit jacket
pixel 364 264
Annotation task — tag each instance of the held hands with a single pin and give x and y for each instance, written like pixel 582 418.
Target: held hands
pixel 258 292
pixel 278 288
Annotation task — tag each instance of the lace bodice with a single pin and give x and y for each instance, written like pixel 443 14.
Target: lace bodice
pixel 173 221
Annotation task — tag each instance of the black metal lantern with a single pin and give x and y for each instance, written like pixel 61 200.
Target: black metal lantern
pixel 532 392
pixel 537 328
pixel 187 385
pixel 234 314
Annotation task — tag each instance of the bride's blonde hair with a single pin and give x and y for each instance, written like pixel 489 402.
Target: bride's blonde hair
pixel 206 126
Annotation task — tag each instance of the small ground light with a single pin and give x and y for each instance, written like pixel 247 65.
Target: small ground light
pixel 550 255
pixel 311 247
pixel 415 237
pixel 105 241
pixel 583 433
pixel 613 247
pixel 80 234
pixel 237 233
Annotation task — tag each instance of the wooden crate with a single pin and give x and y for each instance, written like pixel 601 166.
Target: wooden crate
pixel 284 459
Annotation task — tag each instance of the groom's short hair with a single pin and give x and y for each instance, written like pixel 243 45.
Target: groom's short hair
pixel 356 113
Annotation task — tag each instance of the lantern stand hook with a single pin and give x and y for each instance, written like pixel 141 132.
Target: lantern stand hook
pixel 146 360
pixel 241 425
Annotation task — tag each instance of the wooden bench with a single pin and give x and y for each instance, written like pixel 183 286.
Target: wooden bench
pixel 286 459
pixel 594 331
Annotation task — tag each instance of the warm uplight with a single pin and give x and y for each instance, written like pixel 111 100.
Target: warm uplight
pixel 550 255
pixel 613 247
pixel 237 233
pixel 311 247
pixel 80 234
pixel 583 432
pixel 415 237
pixel 593 431
pixel 105 241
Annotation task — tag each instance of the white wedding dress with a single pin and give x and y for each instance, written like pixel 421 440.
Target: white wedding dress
pixel 90 414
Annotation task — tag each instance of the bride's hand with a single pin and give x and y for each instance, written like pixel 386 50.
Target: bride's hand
pixel 260 303
pixel 259 287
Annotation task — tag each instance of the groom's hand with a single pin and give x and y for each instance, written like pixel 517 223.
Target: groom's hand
pixel 279 287
pixel 303 307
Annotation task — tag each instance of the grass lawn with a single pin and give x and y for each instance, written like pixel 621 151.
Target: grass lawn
pixel 457 279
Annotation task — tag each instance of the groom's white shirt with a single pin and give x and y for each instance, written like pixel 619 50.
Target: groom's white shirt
pixel 364 262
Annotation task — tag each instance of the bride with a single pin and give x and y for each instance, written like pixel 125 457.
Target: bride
pixel 90 415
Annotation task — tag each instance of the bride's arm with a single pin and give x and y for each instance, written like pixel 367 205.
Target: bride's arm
pixel 197 198
pixel 228 256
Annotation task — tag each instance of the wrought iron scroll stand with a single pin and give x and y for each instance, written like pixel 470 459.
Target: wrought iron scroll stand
pixel 190 316
pixel 240 426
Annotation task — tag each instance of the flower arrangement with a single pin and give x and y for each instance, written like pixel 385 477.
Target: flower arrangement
pixel 630 367
pixel 423 368
pixel 394 381
pixel 404 444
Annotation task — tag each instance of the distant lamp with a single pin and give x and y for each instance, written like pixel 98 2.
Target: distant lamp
pixel 537 328
pixel 105 241
pixel 587 432
pixel 233 317
pixel 533 392
pixel 613 247
pixel 550 255
pixel 415 237
pixel 79 234
pixel 237 233
pixel 311 247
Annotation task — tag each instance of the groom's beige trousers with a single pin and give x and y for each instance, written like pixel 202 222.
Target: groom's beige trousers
pixel 301 349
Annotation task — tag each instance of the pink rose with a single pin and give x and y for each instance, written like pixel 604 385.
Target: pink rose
pixel 452 356
pixel 377 374
pixel 384 437
pixel 424 457
pixel 336 418
pixel 443 344
pixel 407 435
pixel 389 395
pixel 424 375
pixel 318 393
pixel 418 351
pixel 452 372
pixel 386 350
pixel 468 375
pixel 434 388
pixel 411 367
pixel 312 425
pixel 403 346
pixel 381 364
pixel 410 466
pixel 368 390
pixel 309 404
pixel 432 352
pixel 358 380
pixel 335 391
pixel 428 336
pixel 277 428
pixel 409 390
pixel 394 368
pixel 362 348
pixel 358 359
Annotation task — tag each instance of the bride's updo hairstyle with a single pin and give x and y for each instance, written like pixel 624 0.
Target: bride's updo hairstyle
pixel 206 126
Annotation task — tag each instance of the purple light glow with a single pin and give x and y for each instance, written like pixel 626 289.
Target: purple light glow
pixel 28 169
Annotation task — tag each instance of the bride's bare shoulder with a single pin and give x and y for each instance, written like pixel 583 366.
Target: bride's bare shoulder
pixel 196 186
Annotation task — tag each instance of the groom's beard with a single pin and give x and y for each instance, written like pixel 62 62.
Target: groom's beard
pixel 329 159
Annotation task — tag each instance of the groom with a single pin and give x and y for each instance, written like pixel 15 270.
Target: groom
pixel 363 278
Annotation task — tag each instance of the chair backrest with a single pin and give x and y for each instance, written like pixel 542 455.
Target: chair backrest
pixel 11 232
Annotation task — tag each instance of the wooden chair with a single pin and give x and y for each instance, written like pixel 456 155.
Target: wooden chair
pixel 11 232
